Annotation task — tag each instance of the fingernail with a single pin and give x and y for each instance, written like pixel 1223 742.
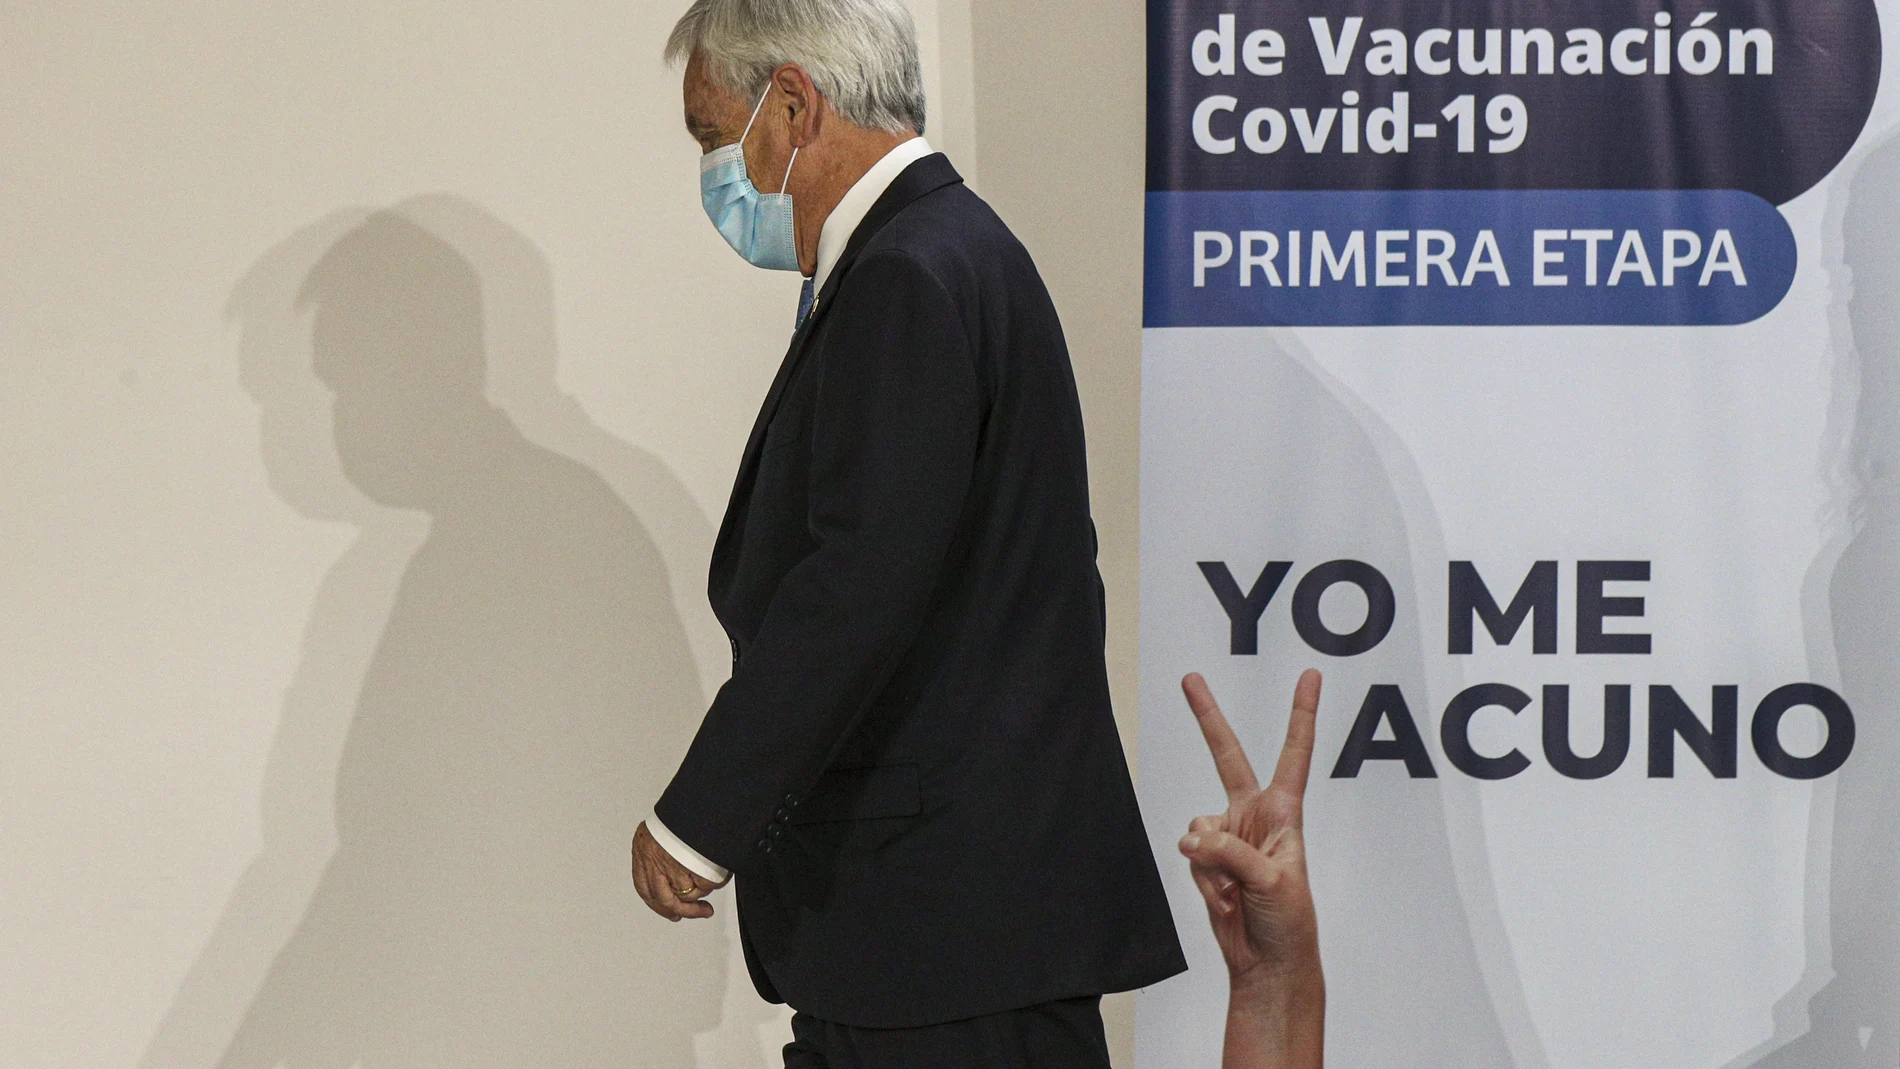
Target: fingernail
pixel 1190 842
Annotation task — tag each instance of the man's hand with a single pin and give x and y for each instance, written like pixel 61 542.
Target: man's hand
pixel 1250 865
pixel 666 886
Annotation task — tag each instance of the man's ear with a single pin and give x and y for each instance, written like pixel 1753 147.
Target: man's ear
pixel 804 105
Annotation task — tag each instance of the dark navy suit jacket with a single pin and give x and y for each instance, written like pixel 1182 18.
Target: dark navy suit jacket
pixel 914 772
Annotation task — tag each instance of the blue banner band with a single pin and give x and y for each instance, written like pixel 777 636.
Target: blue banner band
pixel 1464 257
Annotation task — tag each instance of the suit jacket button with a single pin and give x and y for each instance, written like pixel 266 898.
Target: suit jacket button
pixel 765 845
pixel 778 830
pixel 783 814
pixel 791 800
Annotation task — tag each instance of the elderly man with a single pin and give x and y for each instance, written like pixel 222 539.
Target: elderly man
pixel 913 772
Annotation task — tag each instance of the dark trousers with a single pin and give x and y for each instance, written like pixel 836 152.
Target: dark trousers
pixel 1066 1034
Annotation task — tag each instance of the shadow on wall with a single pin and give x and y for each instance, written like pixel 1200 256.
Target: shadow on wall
pixel 495 683
pixel 1854 1019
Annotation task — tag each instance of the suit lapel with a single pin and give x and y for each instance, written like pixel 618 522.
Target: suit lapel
pixel 931 173
pixel 749 462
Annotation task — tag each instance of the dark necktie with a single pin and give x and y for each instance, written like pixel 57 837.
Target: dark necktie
pixel 805 299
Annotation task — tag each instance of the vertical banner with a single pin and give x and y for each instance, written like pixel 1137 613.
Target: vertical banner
pixel 1533 370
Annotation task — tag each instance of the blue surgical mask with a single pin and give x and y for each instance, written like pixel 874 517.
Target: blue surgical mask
pixel 757 225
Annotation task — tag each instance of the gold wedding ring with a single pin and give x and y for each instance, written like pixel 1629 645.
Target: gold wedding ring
pixel 686 892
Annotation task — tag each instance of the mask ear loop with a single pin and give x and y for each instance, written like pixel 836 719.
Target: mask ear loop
pixel 755 112
pixel 748 129
pixel 788 170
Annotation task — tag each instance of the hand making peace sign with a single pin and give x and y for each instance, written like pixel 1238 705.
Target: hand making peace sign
pixel 1250 865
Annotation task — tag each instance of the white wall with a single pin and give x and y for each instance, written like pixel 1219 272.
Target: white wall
pixel 271 671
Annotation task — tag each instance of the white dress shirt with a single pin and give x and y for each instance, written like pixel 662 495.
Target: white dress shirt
pixel 856 203
pixel 832 238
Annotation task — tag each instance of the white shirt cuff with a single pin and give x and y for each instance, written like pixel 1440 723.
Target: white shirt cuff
pixel 685 855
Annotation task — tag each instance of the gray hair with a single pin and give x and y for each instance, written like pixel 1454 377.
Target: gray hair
pixel 861 54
